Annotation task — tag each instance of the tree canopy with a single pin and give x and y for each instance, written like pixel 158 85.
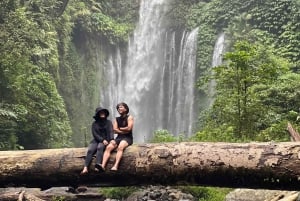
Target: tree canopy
pixel 245 85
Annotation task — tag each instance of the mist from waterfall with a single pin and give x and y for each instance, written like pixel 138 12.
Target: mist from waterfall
pixel 157 78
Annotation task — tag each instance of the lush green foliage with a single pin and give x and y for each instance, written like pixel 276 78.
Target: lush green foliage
pixel 118 192
pixel 199 192
pixel 99 27
pixel 113 31
pixel 50 52
pixel 165 136
pixel 254 21
pixel 281 100
pixel 8 139
pixel 27 88
pixel 244 108
pixel 42 60
pixel 206 193
pixel 58 198
pixel 106 19
pixel 216 16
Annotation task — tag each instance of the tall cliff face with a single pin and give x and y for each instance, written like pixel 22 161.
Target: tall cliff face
pixel 99 30
pixel 87 81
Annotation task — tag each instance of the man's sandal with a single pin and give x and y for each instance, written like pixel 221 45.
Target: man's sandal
pixel 99 168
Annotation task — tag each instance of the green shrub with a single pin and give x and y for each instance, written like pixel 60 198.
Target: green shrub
pixel 58 198
pixel 206 193
pixel 163 136
pixel 118 192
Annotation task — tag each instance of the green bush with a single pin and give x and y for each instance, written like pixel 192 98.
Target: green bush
pixel 206 193
pixel 58 198
pixel 163 136
pixel 118 192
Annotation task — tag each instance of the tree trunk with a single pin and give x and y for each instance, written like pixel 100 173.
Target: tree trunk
pixel 254 165
pixel 293 133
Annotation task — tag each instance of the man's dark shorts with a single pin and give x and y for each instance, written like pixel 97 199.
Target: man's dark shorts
pixel 129 140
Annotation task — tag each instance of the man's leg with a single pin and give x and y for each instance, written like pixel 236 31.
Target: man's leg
pixel 110 147
pixel 123 144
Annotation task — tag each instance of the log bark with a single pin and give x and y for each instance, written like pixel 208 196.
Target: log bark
pixel 251 165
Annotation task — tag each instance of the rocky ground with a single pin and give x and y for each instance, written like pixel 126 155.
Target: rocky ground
pixel 149 193
pixel 146 193
pixel 159 193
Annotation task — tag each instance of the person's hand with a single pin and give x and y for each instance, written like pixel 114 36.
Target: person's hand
pixel 105 142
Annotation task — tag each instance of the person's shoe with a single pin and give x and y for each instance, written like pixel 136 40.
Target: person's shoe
pixel 99 168
pixel 81 189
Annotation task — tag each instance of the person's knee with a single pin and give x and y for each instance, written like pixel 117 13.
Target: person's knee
pixel 90 151
pixel 121 147
pixel 110 147
pixel 100 147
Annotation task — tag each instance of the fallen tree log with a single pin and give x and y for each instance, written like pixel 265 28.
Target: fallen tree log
pixel 251 165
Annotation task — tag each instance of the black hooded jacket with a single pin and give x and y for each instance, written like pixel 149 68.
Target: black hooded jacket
pixel 102 128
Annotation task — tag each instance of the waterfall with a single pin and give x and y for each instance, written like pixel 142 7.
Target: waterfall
pixel 216 61
pixel 180 103
pixel 218 50
pixel 158 77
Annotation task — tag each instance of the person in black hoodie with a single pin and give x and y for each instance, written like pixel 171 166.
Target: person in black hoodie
pixel 102 131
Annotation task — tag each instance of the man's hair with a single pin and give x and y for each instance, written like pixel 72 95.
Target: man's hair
pixel 124 105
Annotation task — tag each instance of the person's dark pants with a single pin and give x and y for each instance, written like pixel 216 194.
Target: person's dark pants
pixel 94 148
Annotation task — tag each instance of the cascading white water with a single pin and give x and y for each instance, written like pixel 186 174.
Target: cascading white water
pixel 157 81
pixel 180 105
pixel 216 61
pixel 218 50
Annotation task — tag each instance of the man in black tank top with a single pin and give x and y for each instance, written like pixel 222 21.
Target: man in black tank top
pixel 122 126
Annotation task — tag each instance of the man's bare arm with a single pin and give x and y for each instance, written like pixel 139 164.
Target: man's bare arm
pixel 129 127
pixel 124 130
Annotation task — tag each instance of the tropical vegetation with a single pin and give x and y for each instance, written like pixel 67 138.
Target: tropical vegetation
pixel 48 65
pixel 48 62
